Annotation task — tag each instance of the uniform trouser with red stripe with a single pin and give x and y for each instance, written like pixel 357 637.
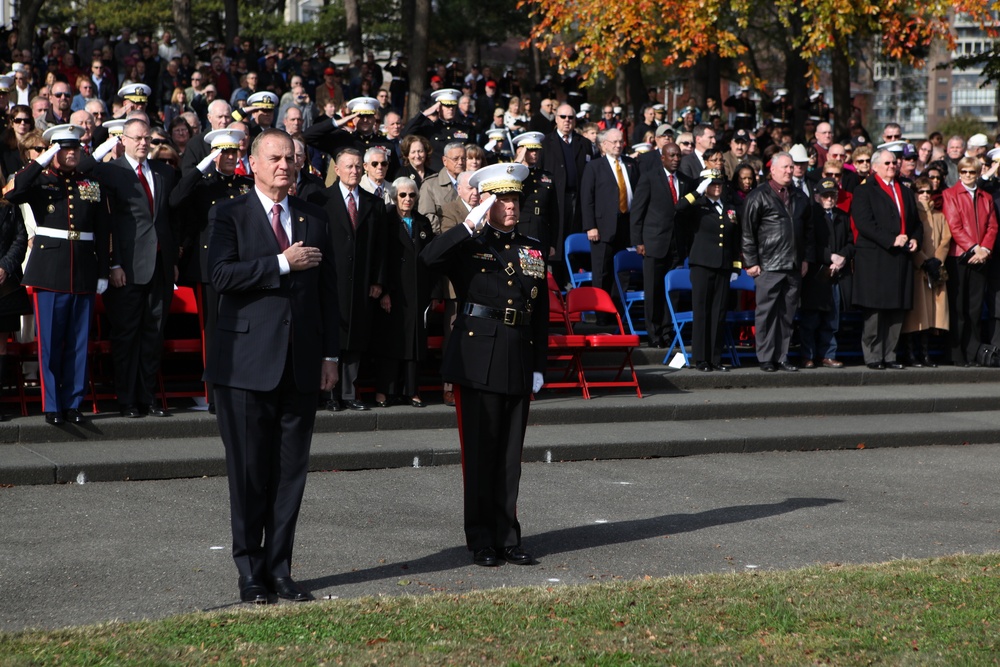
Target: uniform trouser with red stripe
pixel 63 322
pixel 491 428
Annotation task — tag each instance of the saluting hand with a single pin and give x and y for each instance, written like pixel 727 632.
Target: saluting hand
pixel 301 257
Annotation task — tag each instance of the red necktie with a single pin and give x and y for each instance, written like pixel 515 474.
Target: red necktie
pixel 352 210
pixel 145 186
pixel 279 231
pixel 673 187
pixel 240 169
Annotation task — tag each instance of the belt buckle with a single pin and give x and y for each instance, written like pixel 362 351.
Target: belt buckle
pixel 509 316
pixel 73 235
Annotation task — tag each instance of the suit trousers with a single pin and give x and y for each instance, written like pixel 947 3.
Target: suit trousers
pixel 491 428
pixel 350 363
pixel 63 321
pixel 654 307
pixel 389 373
pixel 450 313
pixel 880 334
pixel 777 298
pixel 966 291
pixel 210 311
pixel 138 314
pixel 267 435
pixel 709 298
pixel 602 257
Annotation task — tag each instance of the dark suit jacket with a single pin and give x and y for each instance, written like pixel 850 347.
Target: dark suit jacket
pixel 554 162
pixel 599 196
pixel 259 309
pixel 135 232
pixel 654 213
pixel 691 166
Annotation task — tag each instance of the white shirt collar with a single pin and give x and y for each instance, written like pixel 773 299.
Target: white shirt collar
pixel 344 191
pixel 269 203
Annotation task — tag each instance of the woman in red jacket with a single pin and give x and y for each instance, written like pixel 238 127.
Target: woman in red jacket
pixel 972 219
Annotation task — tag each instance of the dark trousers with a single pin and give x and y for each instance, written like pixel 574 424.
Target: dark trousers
pixel 602 257
pixel 389 373
pixel 966 290
pixel 63 322
pixel 880 334
pixel 350 365
pixel 138 314
pixel 570 225
pixel 267 436
pixel 777 299
pixel 210 308
pixel 491 428
pixel 709 297
pixel 654 308
pixel 450 313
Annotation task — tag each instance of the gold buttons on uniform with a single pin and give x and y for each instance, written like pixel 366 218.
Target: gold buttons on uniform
pixel 720 245
pixel 483 270
pixel 51 209
pixel 510 283
pixel 470 333
pixel 510 302
pixel 506 247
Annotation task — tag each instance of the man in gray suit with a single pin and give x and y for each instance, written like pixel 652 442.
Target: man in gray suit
pixel 143 267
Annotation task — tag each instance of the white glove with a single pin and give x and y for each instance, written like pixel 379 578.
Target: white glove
pixel 536 382
pixel 490 145
pixel 102 285
pixel 209 159
pixel 474 220
pixel 704 185
pixel 45 158
pixel 734 276
pixel 105 148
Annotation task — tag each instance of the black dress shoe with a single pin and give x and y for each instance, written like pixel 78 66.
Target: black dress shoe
pixel 417 403
pixel 926 361
pixel 154 411
pixel 720 368
pixel 287 589
pixel 73 416
pixel 895 365
pixel 877 366
pixel 253 591
pixel 788 366
pixel 485 557
pixel 517 556
pixel 768 367
pixel 54 418
pixel 383 404
pixel 704 366
pixel 211 408
pixel 335 405
pixel 356 405
pixel 130 411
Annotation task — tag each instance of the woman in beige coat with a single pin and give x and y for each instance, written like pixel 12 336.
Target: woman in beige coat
pixel 930 297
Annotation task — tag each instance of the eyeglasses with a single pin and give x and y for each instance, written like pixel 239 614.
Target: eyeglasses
pixel 141 140
pixel 158 142
pixel 570 117
pixel 98 114
pixel 934 178
pixel 923 192
pixel 686 143
pixel 40 149
pixel 407 195
pixel 61 95
pixel 861 160
pixel 831 174
pixel 892 137
pixel 455 158
pixel 378 164
pixel 968 171
pixel 22 120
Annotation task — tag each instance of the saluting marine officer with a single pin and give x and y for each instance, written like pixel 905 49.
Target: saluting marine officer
pixel 539 212
pixel 448 128
pixel 213 181
pixel 68 263
pixel 496 355
pixel 331 136
pixel 745 109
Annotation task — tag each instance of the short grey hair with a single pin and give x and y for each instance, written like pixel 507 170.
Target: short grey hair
pixel 453 146
pixel 376 149
pixel 400 182
pixel 877 155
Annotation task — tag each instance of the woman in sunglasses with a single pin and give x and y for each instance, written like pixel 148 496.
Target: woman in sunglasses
pixel 861 159
pixel 400 335
pixel 21 123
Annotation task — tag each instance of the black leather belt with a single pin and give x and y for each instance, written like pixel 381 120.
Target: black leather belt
pixel 508 316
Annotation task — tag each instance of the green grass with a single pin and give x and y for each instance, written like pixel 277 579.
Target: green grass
pixel 928 612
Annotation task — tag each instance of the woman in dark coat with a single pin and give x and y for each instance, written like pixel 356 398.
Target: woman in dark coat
pixel 14 300
pixel 400 337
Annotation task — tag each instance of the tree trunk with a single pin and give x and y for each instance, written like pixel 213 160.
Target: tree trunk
pixel 795 80
pixel 636 85
pixel 841 80
pixel 182 25
pixel 418 55
pixel 471 52
pixel 232 8
pixel 352 13
pixel 28 14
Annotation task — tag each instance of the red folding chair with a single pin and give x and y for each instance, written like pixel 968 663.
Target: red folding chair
pixel 594 299
pixel 564 347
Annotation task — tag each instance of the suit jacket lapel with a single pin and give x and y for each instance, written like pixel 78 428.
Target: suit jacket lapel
pixel 342 215
pixel 260 223
pixel 299 228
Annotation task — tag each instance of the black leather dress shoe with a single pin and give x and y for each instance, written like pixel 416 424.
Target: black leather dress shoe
pixel 895 365
pixel 704 366
pixel 517 556
pixel 335 405
pixel 485 557
pixel 287 589
pixel 154 411
pixel 877 366
pixel 356 405
pixel 768 367
pixel 417 403
pixel 788 366
pixel 720 368
pixel 253 591
pixel 383 404
pixel 928 363
pixel 211 408
pixel 130 411
pixel 74 416
pixel 54 418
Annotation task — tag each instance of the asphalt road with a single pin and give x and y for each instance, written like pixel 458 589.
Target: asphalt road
pixel 78 554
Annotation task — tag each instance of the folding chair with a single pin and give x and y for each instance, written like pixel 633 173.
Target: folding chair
pixel 577 244
pixel 593 299
pixel 678 281
pixel 743 284
pixel 630 263
pixel 564 346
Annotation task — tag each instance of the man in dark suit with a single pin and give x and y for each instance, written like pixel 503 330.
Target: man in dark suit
pixel 357 230
pixel 888 232
pixel 605 200
pixel 693 164
pixel 275 347
pixel 565 153
pixel 654 235
pixel 496 357
pixel 143 267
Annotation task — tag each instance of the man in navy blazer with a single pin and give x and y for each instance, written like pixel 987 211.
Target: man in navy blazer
pixel 276 346
pixel 605 206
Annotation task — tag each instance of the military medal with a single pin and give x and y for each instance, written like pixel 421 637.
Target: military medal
pixel 89 190
pixel 532 262
pixel 534 292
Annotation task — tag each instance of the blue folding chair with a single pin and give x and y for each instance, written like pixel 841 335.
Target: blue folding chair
pixel 577 244
pixel 744 283
pixel 629 262
pixel 676 281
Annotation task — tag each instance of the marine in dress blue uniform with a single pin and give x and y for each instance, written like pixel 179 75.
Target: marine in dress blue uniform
pixel 495 357
pixel 69 256
pixel 448 128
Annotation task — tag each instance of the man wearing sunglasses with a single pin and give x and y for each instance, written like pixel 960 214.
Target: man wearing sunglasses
pixel 61 98
pixel 376 165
